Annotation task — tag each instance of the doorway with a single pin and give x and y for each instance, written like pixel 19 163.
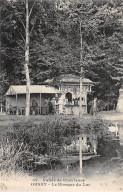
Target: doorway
pixel 69 97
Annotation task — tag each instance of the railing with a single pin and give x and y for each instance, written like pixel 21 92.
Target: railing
pixel 74 104
pixel 14 110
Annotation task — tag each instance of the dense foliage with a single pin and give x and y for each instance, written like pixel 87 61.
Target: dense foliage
pixel 46 138
pixel 21 142
pixel 55 43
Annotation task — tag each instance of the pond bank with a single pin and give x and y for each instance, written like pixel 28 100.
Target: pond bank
pixel 100 174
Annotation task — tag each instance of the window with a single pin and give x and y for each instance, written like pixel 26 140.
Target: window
pixel 87 138
pixel 69 97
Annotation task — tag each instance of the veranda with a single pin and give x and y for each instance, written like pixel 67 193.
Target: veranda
pixel 40 99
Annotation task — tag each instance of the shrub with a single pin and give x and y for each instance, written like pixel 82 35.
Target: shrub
pixel 46 139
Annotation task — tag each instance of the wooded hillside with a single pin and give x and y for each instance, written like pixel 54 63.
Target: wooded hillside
pixel 55 43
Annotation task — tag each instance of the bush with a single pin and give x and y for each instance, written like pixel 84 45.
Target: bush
pixel 108 145
pixel 46 139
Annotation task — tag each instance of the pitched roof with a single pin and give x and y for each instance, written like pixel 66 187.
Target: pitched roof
pixel 73 78
pixel 70 78
pixel 21 89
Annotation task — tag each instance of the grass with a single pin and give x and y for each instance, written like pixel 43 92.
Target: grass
pixel 10 119
pixel 111 115
pixel 13 119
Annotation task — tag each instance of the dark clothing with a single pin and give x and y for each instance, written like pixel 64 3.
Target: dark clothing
pixel 34 103
pixel 76 102
pixel 50 106
pixel 34 106
pixel 93 109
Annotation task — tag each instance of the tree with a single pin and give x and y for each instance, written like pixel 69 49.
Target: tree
pixel 102 41
pixel 54 42
pixel 27 62
pixel 17 14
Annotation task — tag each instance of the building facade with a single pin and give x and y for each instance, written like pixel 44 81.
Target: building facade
pixel 44 98
pixel 69 88
pixel 40 96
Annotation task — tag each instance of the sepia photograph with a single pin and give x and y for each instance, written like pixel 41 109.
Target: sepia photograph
pixel 61 95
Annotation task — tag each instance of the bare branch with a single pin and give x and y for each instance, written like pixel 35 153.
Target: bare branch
pixel 5 53
pixel 6 18
pixel 32 8
pixel 20 45
pixel 23 1
pixel 33 25
pixel 23 13
pixel 21 20
pixel 21 36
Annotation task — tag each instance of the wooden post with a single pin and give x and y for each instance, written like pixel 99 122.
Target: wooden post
pixel 6 105
pixel 16 104
pixel 80 154
pixel 86 101
pixel 16 99
pixel 1 109
pixel 67 169
pixel 40 103
pixel 80 104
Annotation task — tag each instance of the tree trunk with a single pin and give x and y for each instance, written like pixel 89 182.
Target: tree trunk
pixel 0 40
pixel 27 62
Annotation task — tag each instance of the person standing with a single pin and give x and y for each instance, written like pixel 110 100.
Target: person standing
pixel 53 101
pixel 34 106
pixel 50 106
pixel 61 104
pixel 95 107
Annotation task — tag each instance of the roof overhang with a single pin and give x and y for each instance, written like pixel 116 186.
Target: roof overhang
pixel 34 89
pixel 70 79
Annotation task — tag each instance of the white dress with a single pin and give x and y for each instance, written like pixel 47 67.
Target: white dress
pixel 120 101
pixel 61 104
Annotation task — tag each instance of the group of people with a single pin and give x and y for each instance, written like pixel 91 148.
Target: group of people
pixel 51 106
pixel 48 106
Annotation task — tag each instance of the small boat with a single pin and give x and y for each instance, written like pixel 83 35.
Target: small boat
pixel 69 159
pixel 66 160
